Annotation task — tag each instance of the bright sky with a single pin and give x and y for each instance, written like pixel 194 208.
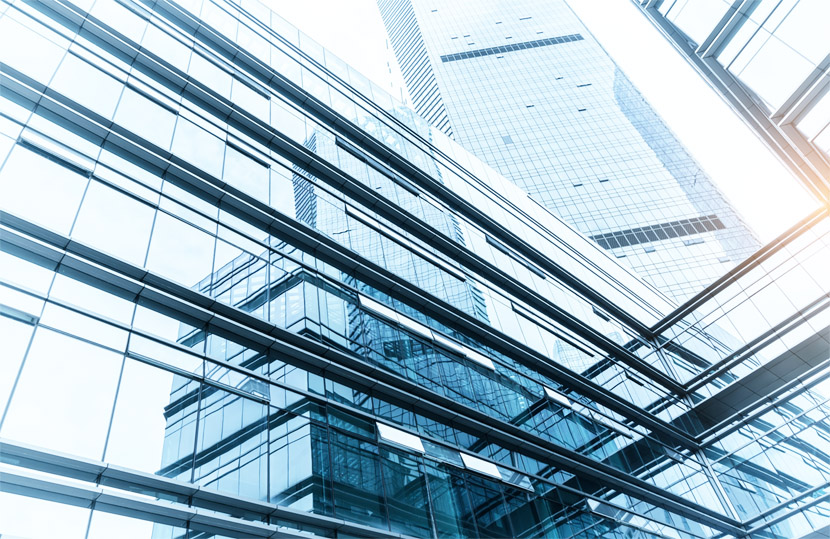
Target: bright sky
pixel 753 179
pixel 352 30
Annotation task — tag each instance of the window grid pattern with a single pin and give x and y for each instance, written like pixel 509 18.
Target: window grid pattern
pixel 188 304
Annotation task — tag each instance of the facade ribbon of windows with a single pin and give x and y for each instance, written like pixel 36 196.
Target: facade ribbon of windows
pixel 243 293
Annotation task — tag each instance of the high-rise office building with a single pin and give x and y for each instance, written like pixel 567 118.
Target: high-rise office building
pixel 245 294
pixel 525 87
pixel 770 60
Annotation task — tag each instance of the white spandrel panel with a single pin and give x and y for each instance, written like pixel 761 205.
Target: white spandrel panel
pixel 479 465
pixel 399 437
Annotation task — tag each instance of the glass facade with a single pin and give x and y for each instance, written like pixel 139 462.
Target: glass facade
pixel 525 87
pixel 770 60
pixel 245 294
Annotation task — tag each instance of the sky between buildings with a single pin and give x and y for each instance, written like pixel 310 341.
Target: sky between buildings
pixel 757 184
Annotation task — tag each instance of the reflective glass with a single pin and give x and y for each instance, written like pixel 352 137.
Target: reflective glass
pixel 122 19
pixel 168 48
pixel 774 56
pixel 128 223
pixel 210 74
pixel 179 251
pixel 20 305
pixel 197 146
pixel 15 337
pixel 246 174
pixel 168 325
pixel 490 512
pixel 20 272
pixel 28 51
pixel 154 422
pixel 87 85
pixel 231 444
pixel 183 403
pixel 451 507
pixel 84 327
pixel 287 121
pixel 75 292
pixel 150 348
pixel 63 399
pixel 22 516
pixel 406 493
pixel 26 176
pixel 299 463
pixel 107 525
pixel 356 477
pixel 250 101
pixel 145 118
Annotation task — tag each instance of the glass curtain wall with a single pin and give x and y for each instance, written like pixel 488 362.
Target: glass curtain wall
pixel 230 308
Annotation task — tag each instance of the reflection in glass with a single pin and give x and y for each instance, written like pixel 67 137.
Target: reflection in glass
pixel 299 463
pixel 231 446
pixel 154 425
pixel 406 493
pixel 358 494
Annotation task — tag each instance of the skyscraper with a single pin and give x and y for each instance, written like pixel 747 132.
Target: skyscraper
pixel 770 61
pixel 525 87
pixel 245 294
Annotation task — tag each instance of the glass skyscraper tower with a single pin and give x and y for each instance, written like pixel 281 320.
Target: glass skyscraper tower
pixel 243 293
pixel 770 60
pixel 525 87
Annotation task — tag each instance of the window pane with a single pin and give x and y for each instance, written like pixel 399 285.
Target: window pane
pixel 197 146
pixel 84 327
pixel 107 525
pixel 120 18
pixel 450 503
pixel 96 300
pixel 282 191
pixel 287 121
pixel 145 118
pixel 23 306
pixel 15 338
pixel 87 85
pixel 246 174
pixel 21 516
pixel 208 73
pixel 128 223
pixel 63 399
pixel 167 325
pixel 25 178
pixel 169 49
pixel 406 494
pixel 299 463
pixel 250 101
pixel 154 425
pixel 179 251
pixel 358 495
pixel 774 57
pixel 14 270
pixel 231 453
pixel 491 515
pixel 27 51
